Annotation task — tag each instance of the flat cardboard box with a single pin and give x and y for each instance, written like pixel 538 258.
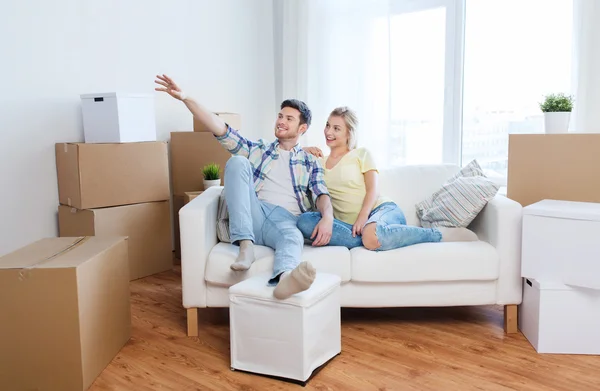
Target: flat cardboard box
pixel 102 175
pixel 65 312
pixel 190 195
pixel 232 119
pixel 190 152
pixel 554 166
pixel 147 225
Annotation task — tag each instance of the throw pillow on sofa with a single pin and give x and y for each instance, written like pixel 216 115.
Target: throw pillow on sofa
pixel 223 220
pixel 459 200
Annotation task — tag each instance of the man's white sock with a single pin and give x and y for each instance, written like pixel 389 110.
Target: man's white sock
pixel 246 256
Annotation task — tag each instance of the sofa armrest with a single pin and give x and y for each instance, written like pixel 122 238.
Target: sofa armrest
pixel 198 232
pixel 500 224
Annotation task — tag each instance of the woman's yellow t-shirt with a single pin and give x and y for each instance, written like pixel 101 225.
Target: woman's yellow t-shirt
pixel 346 184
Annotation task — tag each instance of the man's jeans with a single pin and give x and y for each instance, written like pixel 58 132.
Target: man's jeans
pixel 392 231
pixel 263 223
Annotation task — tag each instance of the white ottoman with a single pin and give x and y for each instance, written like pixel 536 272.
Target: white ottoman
pixel 284 338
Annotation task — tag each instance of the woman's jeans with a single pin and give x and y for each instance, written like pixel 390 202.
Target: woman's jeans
pixel 392 231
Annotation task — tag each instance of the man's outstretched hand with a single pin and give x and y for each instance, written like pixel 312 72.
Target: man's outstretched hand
pixel 201 114
pixel 169 86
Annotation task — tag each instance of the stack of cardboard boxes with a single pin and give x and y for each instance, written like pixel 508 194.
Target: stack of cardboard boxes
pixel 65 301
pixel 190 152
pixel 118 189
pixel 119 183
pixel 556 178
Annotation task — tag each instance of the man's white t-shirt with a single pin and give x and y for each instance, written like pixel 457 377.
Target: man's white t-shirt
pixel 277 187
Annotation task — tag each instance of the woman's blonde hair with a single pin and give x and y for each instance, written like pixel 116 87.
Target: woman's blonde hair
pixel 351 120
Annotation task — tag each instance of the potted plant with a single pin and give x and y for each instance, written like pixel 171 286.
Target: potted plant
pixel 557 112
pixel 211 175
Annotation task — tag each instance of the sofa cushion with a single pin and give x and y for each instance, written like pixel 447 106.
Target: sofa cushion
pixel 409 185
pixel 223 220
pixel 334 260
pixel 431 262
pixel 459 200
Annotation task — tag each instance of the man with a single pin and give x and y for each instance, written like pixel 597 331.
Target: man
pixel 267 186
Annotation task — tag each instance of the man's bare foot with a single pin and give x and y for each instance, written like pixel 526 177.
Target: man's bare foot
pixel 296 281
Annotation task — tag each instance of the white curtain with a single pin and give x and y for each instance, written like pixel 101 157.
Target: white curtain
pixel 586 66
pixel 336 53
pixel 333 53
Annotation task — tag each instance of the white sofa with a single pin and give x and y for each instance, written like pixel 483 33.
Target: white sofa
pixel 430 274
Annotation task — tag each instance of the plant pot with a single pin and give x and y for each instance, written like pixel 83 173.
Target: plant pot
pixel 211 183
pixel 557 122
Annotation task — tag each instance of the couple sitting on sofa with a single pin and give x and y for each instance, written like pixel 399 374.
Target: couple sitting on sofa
pixel 271 188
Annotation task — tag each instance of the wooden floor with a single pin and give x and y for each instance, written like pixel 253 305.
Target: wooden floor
pixel 382 349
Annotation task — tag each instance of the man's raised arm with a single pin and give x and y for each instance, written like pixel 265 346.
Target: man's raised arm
pixel 209 120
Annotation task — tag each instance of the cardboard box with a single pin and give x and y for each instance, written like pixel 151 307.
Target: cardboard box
pixel 178 203
pixel 65 312
pixel 147 225
pixel 560 243
pixel 190 152
pixel 190 195
pixel 554 166
pixel 101 175
pixel 118 117
pixel 560 319
pixel 232 119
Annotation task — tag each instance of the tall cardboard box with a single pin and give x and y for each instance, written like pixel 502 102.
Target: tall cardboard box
pixel 232 119
pixel 65 312
pixel 101 175
pixel 178 203
pixel 147 225
pixel 553 166
pixel 190 152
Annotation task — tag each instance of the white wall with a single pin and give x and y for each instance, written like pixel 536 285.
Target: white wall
pixel 221 52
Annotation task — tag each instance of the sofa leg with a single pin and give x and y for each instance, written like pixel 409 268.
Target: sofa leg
pixel 510 319
pixel 192 322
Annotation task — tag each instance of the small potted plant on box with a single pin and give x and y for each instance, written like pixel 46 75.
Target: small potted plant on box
pixel 557 112
pixel 211 175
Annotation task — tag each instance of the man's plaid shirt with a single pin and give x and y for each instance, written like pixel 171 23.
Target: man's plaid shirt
pixel 307 173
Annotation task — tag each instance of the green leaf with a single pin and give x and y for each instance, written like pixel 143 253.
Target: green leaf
pixel 211 171
pixel 557 102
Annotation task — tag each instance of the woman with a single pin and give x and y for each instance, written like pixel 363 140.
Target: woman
pixel 362 216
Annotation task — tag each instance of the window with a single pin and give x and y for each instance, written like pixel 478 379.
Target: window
pixel 464 74
pixel 422 37
pixel 515 52
pixel 433 81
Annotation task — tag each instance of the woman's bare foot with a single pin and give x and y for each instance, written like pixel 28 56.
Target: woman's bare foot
pixel 458 234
